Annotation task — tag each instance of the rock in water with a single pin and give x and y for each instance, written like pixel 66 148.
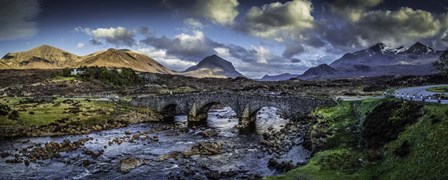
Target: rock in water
pixel 128 164
pixel 209 133
pixel 204 149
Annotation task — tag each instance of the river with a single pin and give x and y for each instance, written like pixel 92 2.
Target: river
pixel 240 153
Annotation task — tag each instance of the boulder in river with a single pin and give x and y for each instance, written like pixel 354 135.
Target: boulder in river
pixel 209 133
pixel 128 164
pixel 201 148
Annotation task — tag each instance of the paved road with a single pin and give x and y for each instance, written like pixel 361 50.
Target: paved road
pixel 416 94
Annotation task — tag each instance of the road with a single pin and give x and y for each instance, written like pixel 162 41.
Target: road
pixel 411 93
pixel 416 94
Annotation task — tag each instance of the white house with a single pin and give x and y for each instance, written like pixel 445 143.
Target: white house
pixel 76 72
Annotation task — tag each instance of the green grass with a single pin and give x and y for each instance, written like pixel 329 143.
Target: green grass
pixel 427 159
pixel 438 89
pixel 46 113
pixel 314 169
pixel 429 148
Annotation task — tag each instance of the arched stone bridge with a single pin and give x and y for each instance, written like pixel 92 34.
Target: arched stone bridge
pixel 246 106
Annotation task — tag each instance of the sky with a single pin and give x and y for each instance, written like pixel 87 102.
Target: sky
pixel 259 37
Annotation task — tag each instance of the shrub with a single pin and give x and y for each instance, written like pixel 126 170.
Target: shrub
pixel 403 150
pixel 387 120
pixel 4 110
pixel 14 115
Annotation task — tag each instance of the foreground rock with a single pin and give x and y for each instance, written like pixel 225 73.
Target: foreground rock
pixel 213 148
pixel 128 164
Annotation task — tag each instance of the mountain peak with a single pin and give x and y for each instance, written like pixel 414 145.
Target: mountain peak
pixel 378 47
pixel 216 61
pixel 320 69
pixel 46 48
pixel 213 66
pixel 419 48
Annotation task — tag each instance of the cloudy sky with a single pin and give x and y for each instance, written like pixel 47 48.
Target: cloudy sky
pixel 258 37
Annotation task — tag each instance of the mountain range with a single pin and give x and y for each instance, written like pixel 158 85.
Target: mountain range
pixel 48 57
pixel 378 60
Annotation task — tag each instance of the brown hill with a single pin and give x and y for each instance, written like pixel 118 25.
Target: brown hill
pixel 47 57
pixel 42 57
pixel 118 58
pixel 4 66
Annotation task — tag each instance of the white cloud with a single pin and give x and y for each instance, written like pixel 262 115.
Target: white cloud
pixel 403 26
pixel 17 19
pixel 223 52
pixel 193 23
pixel 279 21
pixel 353 9
pixel 172 62
pixel 263 54
pixel 118 36
pixel 219 11
pixel 80 45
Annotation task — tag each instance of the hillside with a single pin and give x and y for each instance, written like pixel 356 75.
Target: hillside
pixel 212 67
pixel 41 57
pixel 376 139
pixel 113 58
pixel 47 57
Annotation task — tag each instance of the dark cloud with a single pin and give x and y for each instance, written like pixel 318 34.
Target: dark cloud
pixel 17 18
pixel 295 60
pixel 404 26
pixel 187 46
pixel 291 50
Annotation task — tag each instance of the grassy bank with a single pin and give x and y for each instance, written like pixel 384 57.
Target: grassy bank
pixel 65 115
pixel 404 141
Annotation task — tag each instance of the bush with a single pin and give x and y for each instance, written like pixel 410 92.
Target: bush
pixel 4 110
pixel 344 161
pixel 126 77
pixel 14 115
pixel 403 150
pixel 66 72
pixel 387 120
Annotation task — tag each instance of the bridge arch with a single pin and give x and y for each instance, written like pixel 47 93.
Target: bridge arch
pixel 198 115
pixel 245 105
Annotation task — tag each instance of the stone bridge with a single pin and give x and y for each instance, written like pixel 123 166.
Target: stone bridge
pixel 246 106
